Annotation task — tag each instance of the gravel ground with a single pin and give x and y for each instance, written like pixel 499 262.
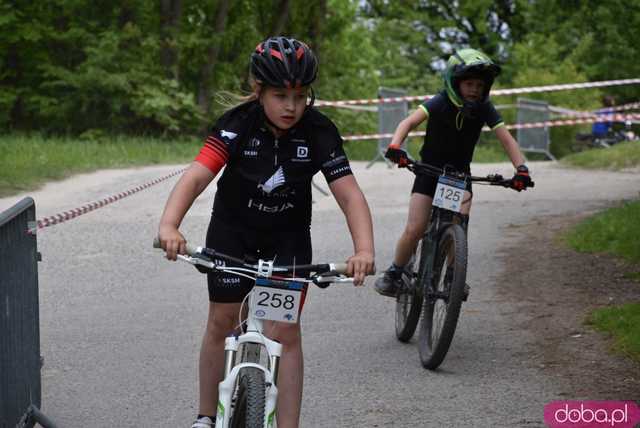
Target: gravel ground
pixel 120 326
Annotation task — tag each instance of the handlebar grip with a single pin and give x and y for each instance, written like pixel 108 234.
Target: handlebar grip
pixel 191 249
pixel 340 268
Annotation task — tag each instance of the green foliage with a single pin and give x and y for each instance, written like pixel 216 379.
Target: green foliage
pixel 74 66
pixel 531 68
pixel 615 231
pixel 623 323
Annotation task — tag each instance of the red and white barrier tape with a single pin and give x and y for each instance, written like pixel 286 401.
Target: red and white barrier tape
pixel 622 107
pixel 561 111
pixel 68 215
pixel 526 90
pixel 570 121
pixel 578 120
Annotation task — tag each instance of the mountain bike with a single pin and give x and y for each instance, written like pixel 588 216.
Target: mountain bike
pixel 248 393
pixel 433 285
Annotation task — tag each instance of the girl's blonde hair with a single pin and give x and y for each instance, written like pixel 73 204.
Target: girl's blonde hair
pixel 229 100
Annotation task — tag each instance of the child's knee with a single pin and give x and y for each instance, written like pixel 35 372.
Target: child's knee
pixel 288 334
pixel 414 231
pixel 221 325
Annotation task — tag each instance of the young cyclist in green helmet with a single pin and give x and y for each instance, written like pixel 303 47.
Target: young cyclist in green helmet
pixel 271 146
pixel 455 118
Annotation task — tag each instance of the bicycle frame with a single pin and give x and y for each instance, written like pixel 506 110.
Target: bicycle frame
pixel 437 224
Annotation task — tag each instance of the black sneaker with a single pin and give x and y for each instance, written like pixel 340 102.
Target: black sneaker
pixel 387 284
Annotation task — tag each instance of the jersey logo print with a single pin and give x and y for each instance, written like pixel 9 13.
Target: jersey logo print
pixel 276 180
pixel 228 134
pixel 303 152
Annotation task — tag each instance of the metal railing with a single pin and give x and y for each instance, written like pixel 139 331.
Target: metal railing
pixel 20 361
pixel 389 116
pixel 536 140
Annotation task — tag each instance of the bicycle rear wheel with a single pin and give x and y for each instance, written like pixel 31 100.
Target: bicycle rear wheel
pixel 250 397
pixel 409 299
pixel 443 298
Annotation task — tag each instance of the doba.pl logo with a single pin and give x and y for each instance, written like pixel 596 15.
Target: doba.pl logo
pixel 591 414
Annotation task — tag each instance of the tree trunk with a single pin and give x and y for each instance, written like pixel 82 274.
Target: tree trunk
pixel 317 27
pixel 12 60
pixel 206 72
pixel 170 15
pixel 280 19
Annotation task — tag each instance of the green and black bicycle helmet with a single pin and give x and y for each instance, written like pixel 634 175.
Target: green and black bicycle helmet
pixel 284 63
pixel 466 64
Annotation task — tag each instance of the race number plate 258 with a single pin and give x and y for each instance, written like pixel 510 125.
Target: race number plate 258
pixel 449 193
pixel 277 300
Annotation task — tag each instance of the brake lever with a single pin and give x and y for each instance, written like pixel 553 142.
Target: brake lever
pixel 196 261
pixel 325 281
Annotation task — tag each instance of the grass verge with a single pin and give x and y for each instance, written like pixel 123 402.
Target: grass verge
pixel 28 162
pixel 623 155
pixel 623 323
pixel 616 231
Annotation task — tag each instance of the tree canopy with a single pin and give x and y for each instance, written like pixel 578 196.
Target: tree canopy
pixel 155 67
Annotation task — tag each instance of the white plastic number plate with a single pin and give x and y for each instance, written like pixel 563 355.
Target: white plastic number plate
pixel 277 300
pixel 449 193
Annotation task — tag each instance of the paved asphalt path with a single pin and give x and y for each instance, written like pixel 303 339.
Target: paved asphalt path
pixel 121 326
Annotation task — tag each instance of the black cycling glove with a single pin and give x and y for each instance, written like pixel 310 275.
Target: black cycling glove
pixel 521 179
pixel 397 155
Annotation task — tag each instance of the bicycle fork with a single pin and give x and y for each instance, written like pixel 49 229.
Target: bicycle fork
pixel 425 274
pixel 232 369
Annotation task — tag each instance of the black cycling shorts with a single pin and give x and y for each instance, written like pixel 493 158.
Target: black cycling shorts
pixel 426 185
pixel 286 246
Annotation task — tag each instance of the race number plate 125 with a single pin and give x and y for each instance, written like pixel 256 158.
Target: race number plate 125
pixel 277 300
pixel 449 193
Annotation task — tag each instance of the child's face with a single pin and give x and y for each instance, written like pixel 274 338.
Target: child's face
pixel 284 107
pixel 472 89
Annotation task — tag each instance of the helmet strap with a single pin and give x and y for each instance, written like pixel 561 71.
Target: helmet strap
pixel 313 97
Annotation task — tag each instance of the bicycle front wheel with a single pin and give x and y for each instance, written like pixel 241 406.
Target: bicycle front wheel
pixel 443 297
pixel 250 397
pixel 409 299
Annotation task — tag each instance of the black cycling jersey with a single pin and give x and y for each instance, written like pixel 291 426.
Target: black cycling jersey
pixel 267 180
pixel 451 138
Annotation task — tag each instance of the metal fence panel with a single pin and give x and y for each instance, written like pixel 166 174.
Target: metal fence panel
pixel 19 315
pixel 389 116
pixel 534 139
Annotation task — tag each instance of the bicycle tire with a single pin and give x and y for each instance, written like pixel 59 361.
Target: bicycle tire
pixel 409 299
pixel 442 301
pixel 250 399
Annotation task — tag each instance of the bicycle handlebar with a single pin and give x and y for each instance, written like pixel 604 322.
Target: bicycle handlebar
pixel 426 169
pixel 318 273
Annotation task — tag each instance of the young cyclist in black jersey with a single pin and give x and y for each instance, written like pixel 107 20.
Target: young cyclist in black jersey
pixel 455 118
pixel 272 145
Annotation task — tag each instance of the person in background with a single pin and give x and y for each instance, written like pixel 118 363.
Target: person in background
pixel 455 118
